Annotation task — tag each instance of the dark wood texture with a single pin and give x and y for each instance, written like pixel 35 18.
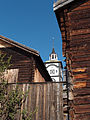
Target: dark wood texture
pixel 30 67
pixel 74 23
pixel 22 62
pixel 27 64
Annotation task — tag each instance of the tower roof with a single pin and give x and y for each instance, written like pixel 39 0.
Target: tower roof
pixel 53 52
pixel 53 55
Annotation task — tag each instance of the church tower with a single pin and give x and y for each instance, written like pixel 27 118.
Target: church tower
pixel 54 67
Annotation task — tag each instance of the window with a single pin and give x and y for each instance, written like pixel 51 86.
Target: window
pixel 55 56
pixel 52 56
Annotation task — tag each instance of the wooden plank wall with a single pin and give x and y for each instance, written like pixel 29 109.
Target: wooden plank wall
pixel 74 22
pixel 46 97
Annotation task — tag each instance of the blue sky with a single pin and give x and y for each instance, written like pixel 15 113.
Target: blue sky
pixel 32 23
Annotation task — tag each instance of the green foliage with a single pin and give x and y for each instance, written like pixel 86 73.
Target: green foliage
pixel 28 116
pixel 11 100
pixel 4 64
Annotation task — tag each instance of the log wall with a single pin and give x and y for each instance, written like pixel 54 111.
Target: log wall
pixel 30 67
pixel 25 61
pixel 22 62
pixel 74 23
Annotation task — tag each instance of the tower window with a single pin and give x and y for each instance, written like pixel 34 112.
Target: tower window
pixel 52 56
pixel 55 56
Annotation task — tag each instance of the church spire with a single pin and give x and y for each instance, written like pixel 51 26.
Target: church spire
pixel 53 51
pixel 53 55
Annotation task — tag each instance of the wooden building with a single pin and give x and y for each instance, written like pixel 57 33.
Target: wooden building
pixel 73 17
pixel 27 65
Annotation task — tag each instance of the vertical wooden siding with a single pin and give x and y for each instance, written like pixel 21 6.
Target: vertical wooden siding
pixel 46 98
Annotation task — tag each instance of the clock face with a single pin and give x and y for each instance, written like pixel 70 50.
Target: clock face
pixel 53 70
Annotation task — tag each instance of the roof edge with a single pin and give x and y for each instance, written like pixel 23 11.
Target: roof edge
pixel 19 45
pixel 60 4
